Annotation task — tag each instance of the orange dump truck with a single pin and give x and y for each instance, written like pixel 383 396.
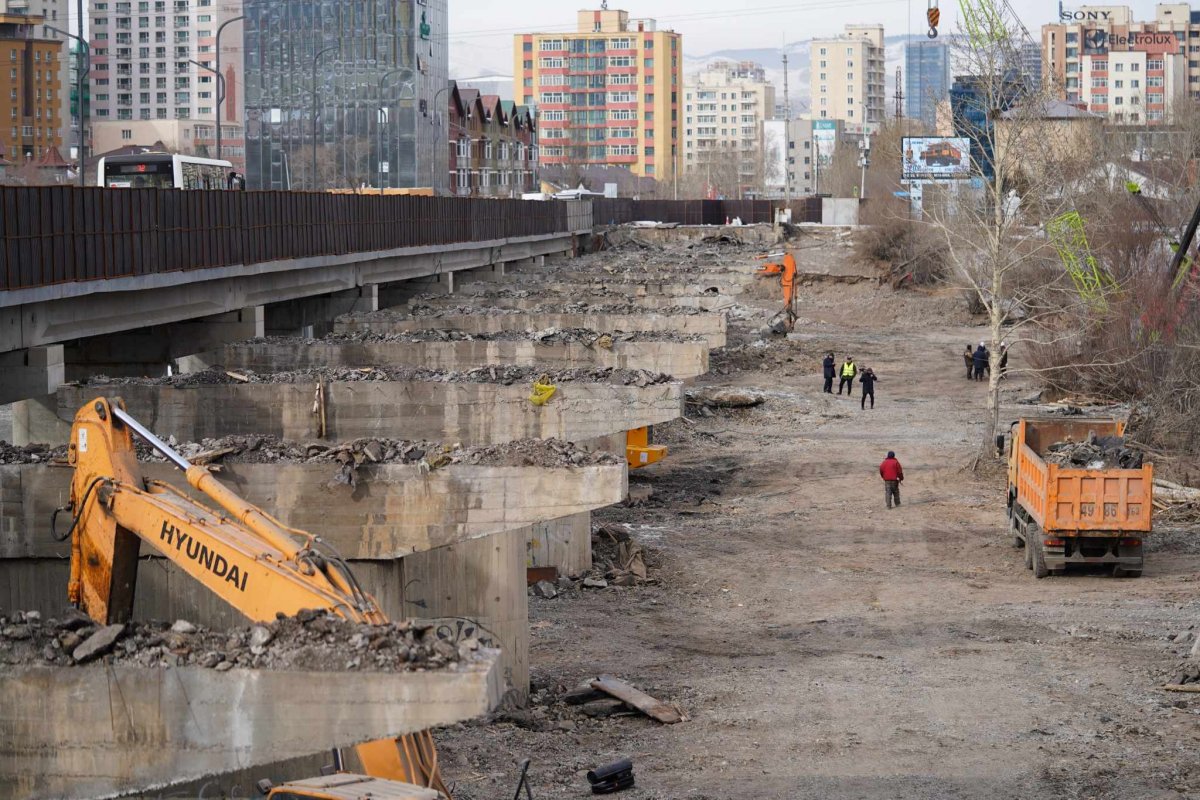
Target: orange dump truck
pixel 1065 515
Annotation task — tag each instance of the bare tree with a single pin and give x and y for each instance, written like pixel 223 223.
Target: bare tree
pixel 1001 247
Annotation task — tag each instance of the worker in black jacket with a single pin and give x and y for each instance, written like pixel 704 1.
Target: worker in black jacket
pixel 981 361
pixel 830 372
pixel 867 379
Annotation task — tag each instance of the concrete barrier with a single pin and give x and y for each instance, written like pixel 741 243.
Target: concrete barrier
pixel 711 327
pixel 101 730
pixel 683 359
pixel 470 413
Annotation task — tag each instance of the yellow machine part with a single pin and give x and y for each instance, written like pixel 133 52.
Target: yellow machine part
pixel 639 452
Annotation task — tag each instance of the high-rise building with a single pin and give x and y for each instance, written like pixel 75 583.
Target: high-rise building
pixel 363 82
pixel 31 89
pixel 53 14
pixel 1099 58
pixel 609 94
pixel 152 75
pixel 1031 63
pixel 79 108
pixel 725 106
pixel 807 148
pixel 926 79
pixel 846 77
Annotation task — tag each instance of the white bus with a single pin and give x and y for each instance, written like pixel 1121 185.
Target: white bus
pixel 164 171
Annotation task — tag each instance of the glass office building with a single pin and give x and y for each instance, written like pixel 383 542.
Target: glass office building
pixel 346 93
pixel 926 79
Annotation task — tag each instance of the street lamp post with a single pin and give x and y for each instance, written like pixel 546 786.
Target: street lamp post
pixel 81 70
pixel 220 95
pixel 385 114
pixel 438 136
pixel 220 79
pixel 316 61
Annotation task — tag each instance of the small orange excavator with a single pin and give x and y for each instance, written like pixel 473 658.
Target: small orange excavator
pixel 785 320
pixel 245 556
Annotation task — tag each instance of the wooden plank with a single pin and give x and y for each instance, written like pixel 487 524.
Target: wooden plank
pixel 643 702
pixel 1179 687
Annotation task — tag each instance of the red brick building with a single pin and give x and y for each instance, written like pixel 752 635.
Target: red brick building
pixel 493 145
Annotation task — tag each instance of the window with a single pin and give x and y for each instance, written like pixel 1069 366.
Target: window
pixel 1134 84
pixel 551 63
pixel 1099 83
pixel 552 97
pixel 1155 64
pixel 548 44
pixel 1135 67
pixel 1154 80
pixel 648 63
pixel 1100 66
pixel 1118 67
pixel 1118 100
pixel 126 134
pixel 1118 84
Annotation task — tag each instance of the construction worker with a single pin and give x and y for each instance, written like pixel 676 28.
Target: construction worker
pixel 830 366
pixel 849 370
pixel 893 475
pixel 969 359
pixel 980 360
pixel 867 379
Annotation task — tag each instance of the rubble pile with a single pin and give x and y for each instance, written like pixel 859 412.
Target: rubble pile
pixel 1096 452
pixel 502 374
pixel 546 336
pixel 617 560
pixel 313 641
pixel 421 310
pixel 272 450
pixel 30 453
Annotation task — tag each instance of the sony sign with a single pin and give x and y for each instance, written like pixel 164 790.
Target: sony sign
pixel 1080 15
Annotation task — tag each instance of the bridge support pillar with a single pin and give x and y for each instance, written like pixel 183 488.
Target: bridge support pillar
pixel 314 316
pixel 34 372
pixel 148 351
pixel 400 292
pixel 489 273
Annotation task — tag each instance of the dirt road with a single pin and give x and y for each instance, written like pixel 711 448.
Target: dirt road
pixel 825 647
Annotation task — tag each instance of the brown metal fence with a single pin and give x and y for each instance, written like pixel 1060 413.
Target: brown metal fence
pixel 61 234
pixel 618 211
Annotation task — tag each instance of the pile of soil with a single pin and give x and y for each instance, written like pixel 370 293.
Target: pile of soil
pixel 30 453
pixel 544 336
pixel 314 640
pixel 549 308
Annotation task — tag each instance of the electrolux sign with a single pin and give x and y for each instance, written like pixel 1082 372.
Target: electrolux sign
pixel 1098 42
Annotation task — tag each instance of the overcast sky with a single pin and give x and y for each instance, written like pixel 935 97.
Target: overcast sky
pixel 481 31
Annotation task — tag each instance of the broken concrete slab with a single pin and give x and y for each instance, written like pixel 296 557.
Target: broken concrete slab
pixel 712 327
pixel 466 412
pixel 682 359
pixel 531 301
pixel 100 730
pixel 394 509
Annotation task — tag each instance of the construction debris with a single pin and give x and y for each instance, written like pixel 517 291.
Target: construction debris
pixel 310 641
pixel 500 373
pixel 725 398
pixel 648 705
pixel 1097 452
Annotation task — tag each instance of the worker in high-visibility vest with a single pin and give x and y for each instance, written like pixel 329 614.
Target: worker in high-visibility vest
pixel 849 370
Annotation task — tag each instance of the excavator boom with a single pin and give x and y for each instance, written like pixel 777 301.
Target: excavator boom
pixel 239 552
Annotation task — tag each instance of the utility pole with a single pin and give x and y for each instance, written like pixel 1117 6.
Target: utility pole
pixel 221 78
pixel 787 138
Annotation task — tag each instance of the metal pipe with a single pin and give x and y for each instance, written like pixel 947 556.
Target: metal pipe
pixel 155 442
pixel 221 80
pixel 81 70
pixel 438 137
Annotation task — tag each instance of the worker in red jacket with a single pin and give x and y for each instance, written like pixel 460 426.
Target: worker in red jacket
pixel 893 475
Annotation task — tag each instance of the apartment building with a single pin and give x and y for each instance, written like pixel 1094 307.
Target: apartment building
pixel 801 153
pixel 31 106
pixel 608 94
pixel 492 145
pixel 725 106
pixel 153 75
pixel 1101 59
pixel 926 79
pixel 52 14
pixel 846 77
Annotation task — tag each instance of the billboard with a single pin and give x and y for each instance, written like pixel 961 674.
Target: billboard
pixel 936 157
pixel 824 134
pixel 1097 41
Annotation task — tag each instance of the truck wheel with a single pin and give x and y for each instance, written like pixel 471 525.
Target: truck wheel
pixel 1028 555
pixel 1039 556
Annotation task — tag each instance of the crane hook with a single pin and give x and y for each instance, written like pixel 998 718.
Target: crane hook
pixel 933 15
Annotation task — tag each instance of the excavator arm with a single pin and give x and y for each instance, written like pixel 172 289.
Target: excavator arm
pixel 240 553
pixel 786 270
pixel 236 550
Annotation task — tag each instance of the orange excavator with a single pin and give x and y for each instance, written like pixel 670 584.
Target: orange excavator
pixel 785 320
pixel 248 558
